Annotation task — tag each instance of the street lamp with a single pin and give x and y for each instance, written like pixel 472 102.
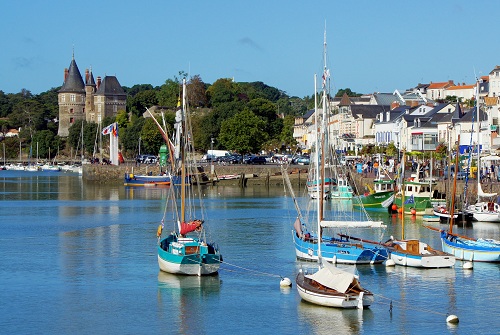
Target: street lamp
pixel 212 156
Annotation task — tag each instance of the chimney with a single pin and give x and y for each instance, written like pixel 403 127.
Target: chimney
pixel 86 76
pixel 98 82
pixel 66 72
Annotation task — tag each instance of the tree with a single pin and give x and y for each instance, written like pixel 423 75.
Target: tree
pixel 196 89
pixel 391 150
pixel 144 99
pixel 169 93
pixel 47 143
pixel 348 92
pixel 243 133
pixel 151 138
pixel 222 91
pixel 129 138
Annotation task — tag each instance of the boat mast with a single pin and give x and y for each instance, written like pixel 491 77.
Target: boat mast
pixel 318 192
pixel 183 152
pixel 478 141
pixel 452 208
pixel 403 195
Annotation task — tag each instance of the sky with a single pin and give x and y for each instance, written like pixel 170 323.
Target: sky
pixel 372 46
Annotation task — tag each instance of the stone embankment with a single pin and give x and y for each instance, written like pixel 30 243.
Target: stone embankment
pixel 269 175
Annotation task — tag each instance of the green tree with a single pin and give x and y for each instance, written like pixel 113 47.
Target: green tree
pixel 151 138
pixel 122 119
pixel 144 99
pixel 129 138
pixel 348 92
pixel 224 90
pixel 47 143
pixel 243 133
pixel 391 150
pixel 170 93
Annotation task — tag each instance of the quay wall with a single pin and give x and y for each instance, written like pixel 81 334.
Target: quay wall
pixel 269 174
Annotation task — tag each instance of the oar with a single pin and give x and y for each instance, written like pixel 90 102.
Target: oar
pixel 457 235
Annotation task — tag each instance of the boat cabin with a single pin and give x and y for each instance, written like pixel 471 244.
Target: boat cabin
pixel 383 185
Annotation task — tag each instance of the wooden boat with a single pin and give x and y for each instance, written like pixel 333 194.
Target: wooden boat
pixel 146 180
pixel 412 252
pixel 185 250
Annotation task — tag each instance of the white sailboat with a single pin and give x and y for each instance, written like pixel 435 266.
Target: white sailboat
pixel 485 211
pixel 329 286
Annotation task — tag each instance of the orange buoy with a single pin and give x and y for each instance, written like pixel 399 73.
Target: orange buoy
pixel 400 210
pixel 413 211
pixel 394 207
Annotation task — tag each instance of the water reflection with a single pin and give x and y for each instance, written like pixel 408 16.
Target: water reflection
pixel 324 320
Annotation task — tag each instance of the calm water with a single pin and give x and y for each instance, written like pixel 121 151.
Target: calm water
pixel 81 258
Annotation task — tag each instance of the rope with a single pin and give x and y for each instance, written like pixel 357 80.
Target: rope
pixel 253 271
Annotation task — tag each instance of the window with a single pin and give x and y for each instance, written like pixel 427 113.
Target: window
pixel 63 98
pixel 72 97
pixel 71 120
pixel 71 111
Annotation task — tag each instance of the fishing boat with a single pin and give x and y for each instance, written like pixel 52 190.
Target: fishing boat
pixel 340 221
pixel 413 252
pixel 185 250
pixel 380 197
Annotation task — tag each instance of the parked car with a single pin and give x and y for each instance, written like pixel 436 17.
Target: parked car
pixel 255 160
pixel 303 160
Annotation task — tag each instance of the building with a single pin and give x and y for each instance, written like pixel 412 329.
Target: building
pixel 87 100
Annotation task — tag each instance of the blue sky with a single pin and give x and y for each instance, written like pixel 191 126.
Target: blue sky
pixel 373 46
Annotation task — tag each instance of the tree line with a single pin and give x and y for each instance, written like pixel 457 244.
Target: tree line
pixel 240 117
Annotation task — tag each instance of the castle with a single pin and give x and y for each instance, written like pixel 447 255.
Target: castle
pixel 90 100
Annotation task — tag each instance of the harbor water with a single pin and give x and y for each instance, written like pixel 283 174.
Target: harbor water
pixel 80 258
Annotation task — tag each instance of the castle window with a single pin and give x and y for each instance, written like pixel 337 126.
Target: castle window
pixel 71 111
pixel 63 98
pixel 71 120
pixel 72 97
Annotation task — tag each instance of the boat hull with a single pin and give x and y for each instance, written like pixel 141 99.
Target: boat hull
pixel 190 257
pixel 145 180
pixel 344 252
pixel 422 261
pixel 470 250
pixel 375 200
pixel 322 298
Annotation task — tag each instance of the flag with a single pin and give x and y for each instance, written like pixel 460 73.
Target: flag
pixel 107 130
pixel 410 200
pixel 114 131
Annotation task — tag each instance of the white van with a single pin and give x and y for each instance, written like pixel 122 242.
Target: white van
pixel 214 154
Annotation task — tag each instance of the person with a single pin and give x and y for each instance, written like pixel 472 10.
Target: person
pixel 375 168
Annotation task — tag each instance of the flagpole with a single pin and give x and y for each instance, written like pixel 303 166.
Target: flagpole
pixel 403 196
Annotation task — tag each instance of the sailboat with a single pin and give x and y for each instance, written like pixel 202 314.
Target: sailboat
pixel 413 252
pixel 330 286
pixel 185 250
pixel 485 211
pixel 464 247
pixel 339 247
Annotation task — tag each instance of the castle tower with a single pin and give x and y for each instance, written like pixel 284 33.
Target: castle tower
pixel 71 98
pixel 90 88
